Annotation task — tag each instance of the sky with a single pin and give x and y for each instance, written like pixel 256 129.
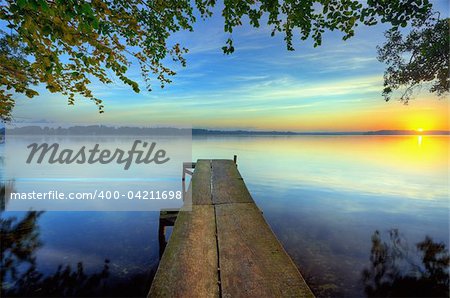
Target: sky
pixel 262 86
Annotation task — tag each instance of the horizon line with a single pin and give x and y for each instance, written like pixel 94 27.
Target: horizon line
pixel 206 131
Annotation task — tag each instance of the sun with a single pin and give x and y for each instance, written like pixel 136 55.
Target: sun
pixel 420 129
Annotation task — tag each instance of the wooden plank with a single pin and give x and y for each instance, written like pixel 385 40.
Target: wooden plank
pixel 224 168
pixel 227 184
pixel 201 183
pixel 186 166
pixel 252 261
pixel 188 267
pixel 189 165
pixel 226 191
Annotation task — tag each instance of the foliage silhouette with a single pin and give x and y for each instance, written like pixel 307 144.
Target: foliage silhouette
pixel 19 275
pixel 421 57
pixel 65 282
pixel 6 187
pixel 394 272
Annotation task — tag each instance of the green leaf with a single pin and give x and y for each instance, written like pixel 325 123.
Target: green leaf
pixel 44 5
pixel 86 9
pixel 22 3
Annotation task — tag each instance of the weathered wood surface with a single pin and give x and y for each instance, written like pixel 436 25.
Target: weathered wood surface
pixel 231 235
pixel 201 183
pixel 188 267
pixel 252 261
pixel 227 184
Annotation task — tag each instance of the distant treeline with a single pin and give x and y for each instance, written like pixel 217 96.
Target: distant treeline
pixel 320 133
pixel 129 130
pixel 408 132
pixel 100 130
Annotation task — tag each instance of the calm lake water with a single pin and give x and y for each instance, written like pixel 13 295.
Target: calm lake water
pixel 323 196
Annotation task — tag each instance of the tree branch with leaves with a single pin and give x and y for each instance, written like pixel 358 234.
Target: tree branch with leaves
pixel 417 59
pixel 66 44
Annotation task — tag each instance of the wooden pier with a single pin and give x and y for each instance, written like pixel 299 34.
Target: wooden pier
pixel 223 247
